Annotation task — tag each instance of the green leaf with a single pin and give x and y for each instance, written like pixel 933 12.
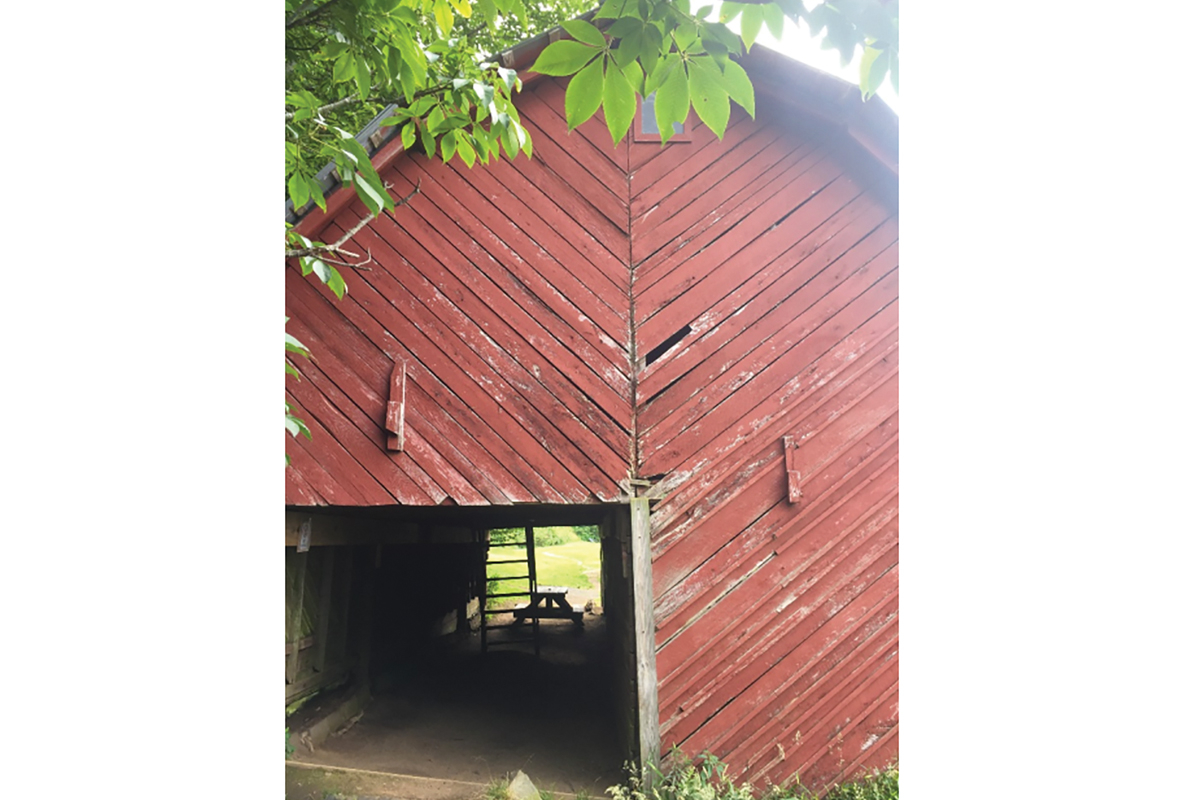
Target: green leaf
pixel 294 345
pixel 343 68
pixel 298 190
pixel 708 96
pixel 564 58
pixel 466 151
pixel 773 16
pixel 615 9
pixel 624 27
pixel 408 135
pixel 373 197
pixel 871 71
pixel 336 283
pixel 628 49
pixel 362 76
pixel 526 140
pixel 651 47
pixel 508 140
pixel 671 103
pixel 316 193
pixel 321 268
pixel 444 16
pixel 584 31
pixel 729 11
pixel 635 76
pixel 737 83
pixel 290 370
pixel 449 143
pixel 752 20
pixel 333 49
pixel 584 93
pixel 620 102
pixel 662 69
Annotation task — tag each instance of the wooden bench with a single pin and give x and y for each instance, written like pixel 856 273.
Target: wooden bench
pixel 550 602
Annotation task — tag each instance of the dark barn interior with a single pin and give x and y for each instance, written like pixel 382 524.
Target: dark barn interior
pixel 390 617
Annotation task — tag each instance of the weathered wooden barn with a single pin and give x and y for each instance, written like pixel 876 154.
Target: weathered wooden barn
pixel 693 345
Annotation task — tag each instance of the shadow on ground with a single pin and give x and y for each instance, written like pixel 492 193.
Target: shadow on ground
pixel 457 715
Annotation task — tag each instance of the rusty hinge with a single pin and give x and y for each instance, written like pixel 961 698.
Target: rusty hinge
pixel 394 424
pixel 793 474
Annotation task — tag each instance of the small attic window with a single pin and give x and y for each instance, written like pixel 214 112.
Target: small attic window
pixel 645 126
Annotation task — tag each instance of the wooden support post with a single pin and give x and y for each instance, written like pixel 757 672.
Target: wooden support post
pixel 325 603
pixel 293 663
pixel 643 616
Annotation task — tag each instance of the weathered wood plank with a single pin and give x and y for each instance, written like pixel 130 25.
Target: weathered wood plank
pixel 759 230
pixel 598 293
pixel 400 473
pixel 759 377
pixel 774 290
pixel 434 299
pixel 643 612
pixel 871 347
pixel 841 547
pixel 546 319
pixel 293 659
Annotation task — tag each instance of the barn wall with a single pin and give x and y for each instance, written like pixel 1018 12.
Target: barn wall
pixel 323 617
pixel 527 299
pixel 506 291
pixel 776 622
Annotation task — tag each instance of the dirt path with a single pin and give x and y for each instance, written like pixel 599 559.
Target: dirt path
pixel 462 716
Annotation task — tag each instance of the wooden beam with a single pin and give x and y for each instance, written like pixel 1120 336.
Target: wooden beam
pixel 643 615
pixel 293 662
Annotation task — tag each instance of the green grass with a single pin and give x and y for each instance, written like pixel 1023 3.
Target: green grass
pixel 557 565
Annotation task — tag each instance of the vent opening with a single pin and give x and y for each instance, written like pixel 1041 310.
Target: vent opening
pixel 672 340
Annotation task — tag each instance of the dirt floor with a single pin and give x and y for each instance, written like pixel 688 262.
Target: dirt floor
pixel 459 715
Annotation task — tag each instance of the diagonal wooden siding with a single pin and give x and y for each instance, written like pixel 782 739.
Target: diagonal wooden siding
pixel 770 259
pixel 776 624
pixel 507 292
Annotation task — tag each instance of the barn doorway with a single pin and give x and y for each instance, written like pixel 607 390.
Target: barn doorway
pixel 457 688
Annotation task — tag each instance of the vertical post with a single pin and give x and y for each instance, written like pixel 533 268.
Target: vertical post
pixel 643 616
pixel 293 663
pixel 325 604
pixel 533 597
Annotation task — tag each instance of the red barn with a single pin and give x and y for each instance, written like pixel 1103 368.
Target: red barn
pixel 694 346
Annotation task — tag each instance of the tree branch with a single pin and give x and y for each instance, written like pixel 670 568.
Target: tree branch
pixel 308 14
pixel 352 99
pixel 336 247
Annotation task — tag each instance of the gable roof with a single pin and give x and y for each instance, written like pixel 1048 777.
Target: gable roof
pixel 791 84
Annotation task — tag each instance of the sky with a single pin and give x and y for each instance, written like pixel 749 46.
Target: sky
pixel 798 43
pixel 801 45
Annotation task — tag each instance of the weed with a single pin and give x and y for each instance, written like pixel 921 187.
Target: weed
pixel 496 790
pixel 287 740
pixel 706 778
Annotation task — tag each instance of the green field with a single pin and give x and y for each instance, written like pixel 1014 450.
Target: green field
pixel 564 564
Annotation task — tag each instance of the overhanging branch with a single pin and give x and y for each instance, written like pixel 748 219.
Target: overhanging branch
pixel 336 247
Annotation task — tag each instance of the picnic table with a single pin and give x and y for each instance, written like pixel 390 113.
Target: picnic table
pixel 550 602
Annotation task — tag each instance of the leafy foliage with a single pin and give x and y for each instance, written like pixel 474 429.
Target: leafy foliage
pixel 706 778
pixel 346 60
